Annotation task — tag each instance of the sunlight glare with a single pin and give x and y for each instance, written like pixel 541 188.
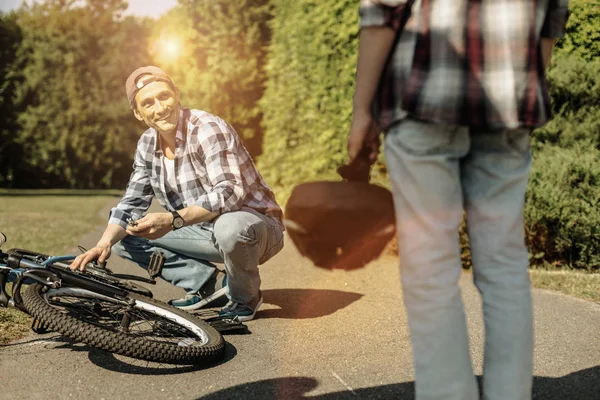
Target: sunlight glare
pixel 172 48
pixel 167 49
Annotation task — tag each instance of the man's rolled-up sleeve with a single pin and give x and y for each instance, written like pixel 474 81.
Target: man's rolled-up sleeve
pixel 137 197
pixel 383 13
pixel 556 19
pixel 222 169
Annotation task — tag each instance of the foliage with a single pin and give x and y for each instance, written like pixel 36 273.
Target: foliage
pixel 574 88
pixel 465 245
pixel 561 212
pixel 10 40
pixel 219 67
pixel 76 129
pixel 582 36
pixel 308 99
pixel 561 209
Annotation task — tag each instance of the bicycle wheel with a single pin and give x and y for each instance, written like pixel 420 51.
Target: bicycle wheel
pixel 94 273
pixel 136 326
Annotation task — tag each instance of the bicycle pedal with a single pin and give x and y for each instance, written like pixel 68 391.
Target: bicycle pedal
pixel 38 327
pixel 157 262
pixel 228 325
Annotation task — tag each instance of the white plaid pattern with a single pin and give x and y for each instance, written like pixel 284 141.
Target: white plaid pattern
pixel 212 167
pixel 466 62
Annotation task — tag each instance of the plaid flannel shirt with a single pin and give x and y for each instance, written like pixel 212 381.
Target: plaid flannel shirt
pixel 466 62
pixel 212 167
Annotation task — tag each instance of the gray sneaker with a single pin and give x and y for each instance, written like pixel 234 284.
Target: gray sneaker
pixel 243 312
pixel 213 289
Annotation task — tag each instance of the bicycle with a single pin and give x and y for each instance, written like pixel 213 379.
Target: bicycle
pixel 106 310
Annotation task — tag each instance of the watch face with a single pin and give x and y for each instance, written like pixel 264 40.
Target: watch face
pixel 178 222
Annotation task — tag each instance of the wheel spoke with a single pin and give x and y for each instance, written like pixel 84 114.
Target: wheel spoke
pixel 123 318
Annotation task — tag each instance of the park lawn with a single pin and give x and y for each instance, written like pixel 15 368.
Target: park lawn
pixel 574 283
pixel 50 222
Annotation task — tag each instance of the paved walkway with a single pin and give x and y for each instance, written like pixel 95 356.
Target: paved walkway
pixel 320 334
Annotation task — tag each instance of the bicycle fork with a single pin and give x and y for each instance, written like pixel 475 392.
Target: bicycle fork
pixel 16 301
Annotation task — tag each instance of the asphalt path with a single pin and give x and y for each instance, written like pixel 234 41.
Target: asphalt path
pixel 319 334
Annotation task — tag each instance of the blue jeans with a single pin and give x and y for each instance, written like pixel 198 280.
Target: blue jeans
pixel 240 239
pixel 438 172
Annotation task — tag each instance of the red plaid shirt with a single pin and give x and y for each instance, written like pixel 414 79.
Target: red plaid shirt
pixel 466 62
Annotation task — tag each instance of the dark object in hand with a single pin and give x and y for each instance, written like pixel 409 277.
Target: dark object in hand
pixel 341 225
pixel 358 170
pixel 132 221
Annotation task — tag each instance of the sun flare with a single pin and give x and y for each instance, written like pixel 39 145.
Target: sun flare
pixel 167 49
pixel 172 48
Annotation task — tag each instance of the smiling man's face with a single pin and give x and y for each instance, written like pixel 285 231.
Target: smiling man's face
pixel 157 104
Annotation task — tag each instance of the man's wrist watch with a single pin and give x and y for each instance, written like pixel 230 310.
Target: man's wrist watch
pixel 177 220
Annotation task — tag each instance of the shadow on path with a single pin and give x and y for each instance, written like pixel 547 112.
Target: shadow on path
pixel 133 366
pixel 110 361
pixel 305 303
pixel 580 385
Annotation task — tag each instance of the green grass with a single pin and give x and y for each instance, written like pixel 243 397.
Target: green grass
pixel 50 221
pixel 579 284
pixel 46 221
pixel 13 324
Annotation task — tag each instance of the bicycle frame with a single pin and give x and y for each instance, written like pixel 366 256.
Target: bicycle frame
pixel 46 274
pixel 54 272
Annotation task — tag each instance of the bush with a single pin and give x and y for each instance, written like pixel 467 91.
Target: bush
pixel 221 65
pixel 307 111
pixel 75 128
pixel 561 210
pixel 307 104
pixel 582 37
pixel 574 86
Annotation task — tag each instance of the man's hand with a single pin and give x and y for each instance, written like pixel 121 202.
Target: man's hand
pixel 363 133
pixel 152 226
pixel 100 253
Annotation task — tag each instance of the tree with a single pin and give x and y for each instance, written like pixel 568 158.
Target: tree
pixel 10 39
pixel 215 51
pixel 76 129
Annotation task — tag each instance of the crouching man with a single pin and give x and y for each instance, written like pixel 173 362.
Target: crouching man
pixel 217 206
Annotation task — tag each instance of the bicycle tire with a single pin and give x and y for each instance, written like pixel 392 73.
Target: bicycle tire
pixel 73 323
pixel 99 275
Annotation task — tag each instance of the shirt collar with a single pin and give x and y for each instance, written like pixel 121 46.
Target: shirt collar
pixel 179 136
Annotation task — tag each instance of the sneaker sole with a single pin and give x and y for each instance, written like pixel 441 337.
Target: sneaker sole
pixel 204 302
pixel 245 318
